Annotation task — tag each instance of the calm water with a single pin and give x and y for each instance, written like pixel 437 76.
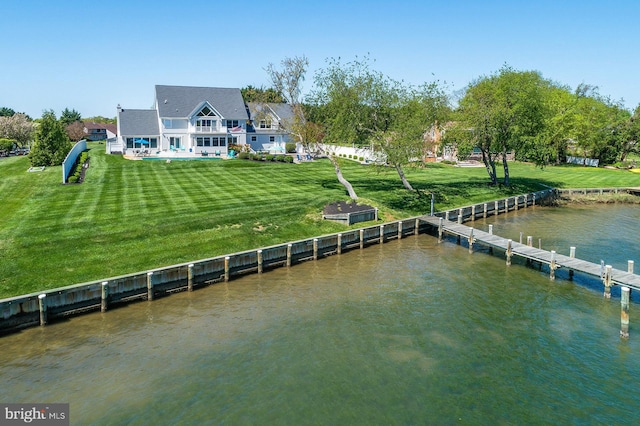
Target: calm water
pixel 411 332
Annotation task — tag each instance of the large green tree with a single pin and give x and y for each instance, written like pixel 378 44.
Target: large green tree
pixel 499 115
pixel 51 144
pixel 6 112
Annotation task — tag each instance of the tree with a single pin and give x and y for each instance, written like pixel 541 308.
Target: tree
pixel 6 112
pixel 288 82
pixel 52 143
pixel 17 127
pixel 75 131
pixel 416 112
pixel 69 116
pixel 260 94
pixel 500 114
pixel 631 136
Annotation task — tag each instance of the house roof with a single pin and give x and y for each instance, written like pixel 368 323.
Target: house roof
pixel 180 101
pixel 90 125
pixel 281 111
pixel 138 122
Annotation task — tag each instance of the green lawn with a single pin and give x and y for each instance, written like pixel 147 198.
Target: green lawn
pixel 131 216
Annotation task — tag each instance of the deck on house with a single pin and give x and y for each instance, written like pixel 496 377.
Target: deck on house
pixel 618 276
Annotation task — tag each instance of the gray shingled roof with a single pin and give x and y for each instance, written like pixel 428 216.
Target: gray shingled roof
pixel 283 111
pixel 139 122
pixel 180 101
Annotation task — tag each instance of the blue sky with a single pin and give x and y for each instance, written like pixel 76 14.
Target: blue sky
pixel 92 56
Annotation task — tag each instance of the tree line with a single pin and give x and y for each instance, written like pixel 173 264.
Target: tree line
pixel 48 138
pixel 509 113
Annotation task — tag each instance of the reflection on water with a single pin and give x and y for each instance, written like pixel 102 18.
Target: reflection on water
pixel 409 332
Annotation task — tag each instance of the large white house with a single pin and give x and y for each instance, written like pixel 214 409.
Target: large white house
pixel 196 121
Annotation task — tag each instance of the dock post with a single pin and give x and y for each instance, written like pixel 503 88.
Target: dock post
pixel 484 211
pixel 339 248
pixel 459 215
pixel 42 306
pixel 526 201
pixel 361 239
pixel 530 241
pixel 400 230
pixel 630 266
pixel 259 254
pixel 607 282
pixel 104 300
pixel 540 243
pixel 440 229
pixel 190 277
pixel 495 210
pixel 149 285
pixel 315 249
pixel 381 234
pixel 473 213
pixel 471 241
pixel 624 312
pixel 446 215
pixel 572 252
pixel 508 252
pixel 517 198
pixel 552 266
pixel 521 237
pixel 416 230
pixel 490 229
pixel 226 268
pixel 533 202
pixel 289 246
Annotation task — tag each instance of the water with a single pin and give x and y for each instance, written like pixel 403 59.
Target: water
pixel 410 332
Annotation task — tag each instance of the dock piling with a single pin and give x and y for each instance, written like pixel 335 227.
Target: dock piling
pixel 490 229
pixel 630 266
pixel 471 241
pixel 552 266
pixel 259 255
pixel 624 312
pixel 607 281
pixel 440 229
pixel 289 247
pixel 508 252
pixel 339 248
pixel 226 268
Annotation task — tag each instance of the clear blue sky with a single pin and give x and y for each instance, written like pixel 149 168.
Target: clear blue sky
pixel 93 55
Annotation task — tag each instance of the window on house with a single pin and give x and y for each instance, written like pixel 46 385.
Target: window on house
pixel 223 141
pixel 253 138
pixel 232 123
pixel 167 123
pixel 206 112
pixel 175 142
pixel 205 125
pixel 272 138
pixel 265 124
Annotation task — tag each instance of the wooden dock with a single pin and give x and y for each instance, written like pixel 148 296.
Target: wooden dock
pixel 608 275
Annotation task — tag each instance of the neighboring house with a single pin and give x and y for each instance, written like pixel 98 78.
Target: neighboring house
pixel 100 131
pixel 267 129
pixel 194 121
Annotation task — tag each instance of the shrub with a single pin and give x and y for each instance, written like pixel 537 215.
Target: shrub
pixel 290 148
pixel 288 159
pixel 361 158
pixel 280 158
pixel 243 155
pixel 270 157
pixel 7 144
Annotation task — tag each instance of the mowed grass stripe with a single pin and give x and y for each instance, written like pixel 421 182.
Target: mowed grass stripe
pixel 141 215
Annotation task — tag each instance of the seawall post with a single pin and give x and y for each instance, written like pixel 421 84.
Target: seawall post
pixel 104 300
pixel 42 306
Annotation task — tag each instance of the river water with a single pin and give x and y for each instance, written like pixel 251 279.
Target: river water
pixel 409 332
